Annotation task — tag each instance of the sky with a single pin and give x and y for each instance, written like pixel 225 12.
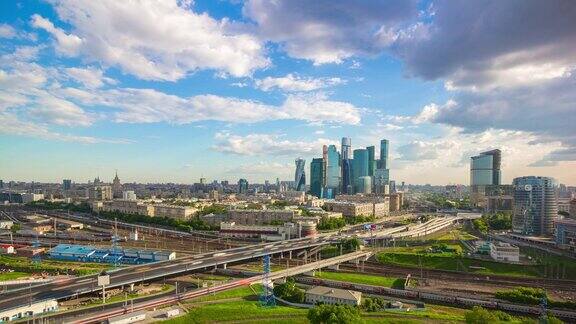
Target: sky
pixel 171 91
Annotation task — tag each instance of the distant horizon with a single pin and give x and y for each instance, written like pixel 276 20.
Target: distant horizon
pixel 171 91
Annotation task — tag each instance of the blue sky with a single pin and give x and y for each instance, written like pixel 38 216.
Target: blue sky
pixel 169 91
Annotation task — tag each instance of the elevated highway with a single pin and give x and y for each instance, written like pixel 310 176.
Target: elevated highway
pixel 67 288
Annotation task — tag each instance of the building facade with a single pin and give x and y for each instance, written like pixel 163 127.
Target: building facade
pixel 300 175
pixel 316 177
pixel 334 296
pixel 535 205
pixel 565 234
pixel 332 172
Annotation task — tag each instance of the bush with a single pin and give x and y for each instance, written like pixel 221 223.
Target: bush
pixel 374 304
pixel 522 295
pixel 192 224
pixel 479 315
pixel 327 223
pixel 334 314
pixel 288 291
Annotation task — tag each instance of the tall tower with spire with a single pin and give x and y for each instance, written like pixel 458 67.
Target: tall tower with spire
pixel 116 186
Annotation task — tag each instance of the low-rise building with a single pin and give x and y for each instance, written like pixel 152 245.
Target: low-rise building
pixel 69 225
pixel 30 197
pixel 502 251
pixel 353 209
pixel 172 211
pixel 99 192
pixel 565 234
pixel 7 249
pixel 28 310
pixel 129 207
pixel 572 209
pixel 269 232
pixel 6 224
pixel 260 217
pixel 327 295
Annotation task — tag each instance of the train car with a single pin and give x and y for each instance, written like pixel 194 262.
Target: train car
pixel 564 314
pixel 519 308
pixel 476 302
pixel 429 296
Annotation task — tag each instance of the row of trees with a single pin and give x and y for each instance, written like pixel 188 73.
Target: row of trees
pixel 499 221
pixel 288 291
pixel 532 296
pixel 480 315
pixel 328 223
pixel 184 225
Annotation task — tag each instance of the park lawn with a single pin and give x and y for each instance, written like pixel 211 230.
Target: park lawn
pixel 5 276
pixel 22 264
pixel 456 263
pixel 432 313
pixel 359 278
pixel 242 310
pixel 240 292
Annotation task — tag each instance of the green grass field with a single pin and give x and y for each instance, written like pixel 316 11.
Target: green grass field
pixel 21 264
pixel 373 280
pixel 456 263
pixel 4 276
pixel 241 305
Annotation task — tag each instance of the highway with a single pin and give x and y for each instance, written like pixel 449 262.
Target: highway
pixel 125 276
pixel 165 299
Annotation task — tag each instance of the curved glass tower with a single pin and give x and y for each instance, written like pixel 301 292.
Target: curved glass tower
pixel 300 175
pixel 332 170
pixel 535 205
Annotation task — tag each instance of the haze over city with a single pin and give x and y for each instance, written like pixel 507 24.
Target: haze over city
pixel 171 91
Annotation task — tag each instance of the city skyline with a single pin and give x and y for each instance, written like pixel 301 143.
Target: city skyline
pixel 86 89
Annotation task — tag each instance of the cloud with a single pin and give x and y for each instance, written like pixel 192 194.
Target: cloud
pixel 295 83
pixel 7 31
pixel 153 40
pixel 265 144
pixel 90 77
pixel 67 44
pixel 11 125
pixel 420 150
pixel 490 44
pixel 328 31
pixel 262 168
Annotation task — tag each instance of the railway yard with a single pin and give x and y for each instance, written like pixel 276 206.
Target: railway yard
pixel 193 284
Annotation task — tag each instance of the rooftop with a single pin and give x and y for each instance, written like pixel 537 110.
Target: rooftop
pixel 335 292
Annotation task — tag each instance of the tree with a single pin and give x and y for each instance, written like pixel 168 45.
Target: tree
pixel 334 314
pixel 288 291
pixel 479 315
pixel 351 244
pixel 15 228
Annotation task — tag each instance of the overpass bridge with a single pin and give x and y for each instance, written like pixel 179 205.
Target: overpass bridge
pixel 67 288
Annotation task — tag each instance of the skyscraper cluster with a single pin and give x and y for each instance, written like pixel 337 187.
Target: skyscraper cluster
pixel 349 171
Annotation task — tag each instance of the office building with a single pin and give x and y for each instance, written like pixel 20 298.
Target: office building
pixel 128 195
pixel 484 171
pixel 381 181
pixel 347 184
pixel 364 185
pixel 359 166
pixel 300 175
pixel 99 192
pixel 346 149
pixel 243 186
pixel 383 154
pixel 346 165
pixel 66 184
pixel 316 177
pixel 371 160
pixel 172 211
pixel 128 207
pixel 565 234
pixel 30 197
pixel 535 205
pixel 499 198
pixel 332 172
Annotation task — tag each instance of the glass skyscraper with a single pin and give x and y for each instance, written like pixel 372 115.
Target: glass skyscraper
pixel 383 154
pixel 332 170
pixel 346 165
pixel 485 168
pixel 347 184
pixel 300 175
pixel 316 177
pixel 371 160
pixel 242 186
pixel 535 205
pixel 359 166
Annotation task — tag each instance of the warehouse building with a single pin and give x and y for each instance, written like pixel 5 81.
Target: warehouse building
pixel 82 253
